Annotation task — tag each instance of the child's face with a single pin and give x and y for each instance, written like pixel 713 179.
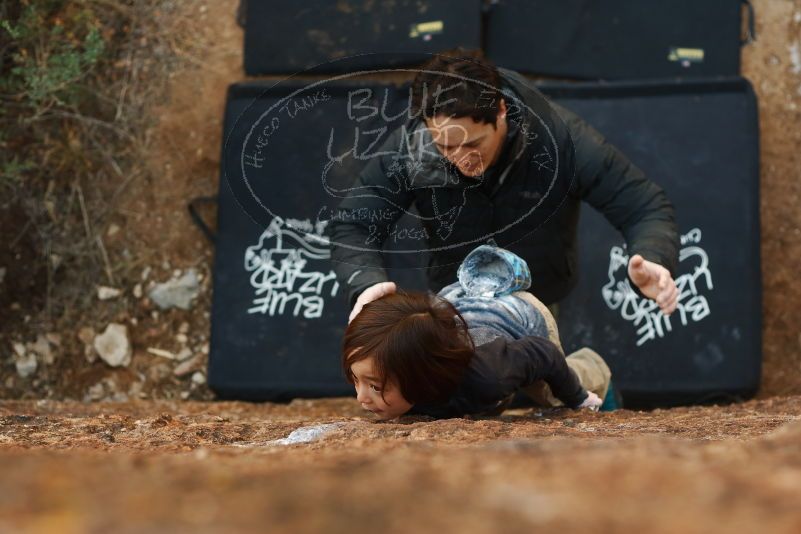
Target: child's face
pixel 368 392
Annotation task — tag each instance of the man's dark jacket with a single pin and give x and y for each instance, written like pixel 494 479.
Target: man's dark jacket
pixel 527 202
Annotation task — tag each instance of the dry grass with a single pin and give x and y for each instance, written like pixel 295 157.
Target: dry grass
pixel 74 142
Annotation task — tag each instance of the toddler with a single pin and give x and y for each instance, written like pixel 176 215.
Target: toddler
pixel 467 350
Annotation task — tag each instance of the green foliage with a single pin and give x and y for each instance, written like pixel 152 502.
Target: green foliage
pixel 49 54
pixel 13 169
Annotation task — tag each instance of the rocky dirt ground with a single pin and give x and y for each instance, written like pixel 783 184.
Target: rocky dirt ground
pixel 162 465
pixel 322 466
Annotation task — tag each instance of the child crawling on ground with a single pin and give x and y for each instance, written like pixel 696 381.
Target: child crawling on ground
pixel 467 350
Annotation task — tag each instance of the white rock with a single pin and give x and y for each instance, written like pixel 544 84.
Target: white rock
pixel 181 338
pixel 146 273
pixel 112 229
pixel 161 352
pixel 306 434
pixel 176 292
pixel 42 348
pixel 95 392
pixel 106 293
pixel 198 378
pixel 113 345
pixel 184 328
pixel 795 57
pixel 137 291
pixel 183 354
pixel 120 396
pixel 19 348
pixel 189 366
pixel 26 365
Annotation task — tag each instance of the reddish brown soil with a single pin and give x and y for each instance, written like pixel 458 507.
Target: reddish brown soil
pixel 133 467
pixel 210 467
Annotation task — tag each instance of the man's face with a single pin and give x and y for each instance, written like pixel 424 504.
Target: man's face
pixel 472 146
pixel 368 392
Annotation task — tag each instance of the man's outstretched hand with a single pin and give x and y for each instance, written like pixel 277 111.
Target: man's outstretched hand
pixel 369 295
pixel 654 282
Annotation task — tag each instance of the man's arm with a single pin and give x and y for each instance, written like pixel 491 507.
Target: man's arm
pixel 633 204
pixel 362 222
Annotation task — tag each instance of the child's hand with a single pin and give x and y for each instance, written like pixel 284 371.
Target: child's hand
pixel 593 402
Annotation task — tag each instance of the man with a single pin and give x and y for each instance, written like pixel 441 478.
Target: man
pixel 508 166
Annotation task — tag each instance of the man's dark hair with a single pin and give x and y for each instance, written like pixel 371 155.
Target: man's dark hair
pixel 417 340
pixel 458 83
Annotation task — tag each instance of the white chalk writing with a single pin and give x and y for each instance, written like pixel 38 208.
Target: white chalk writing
pixel 643 312
pixel 277 269
pixel 395 234
pixel 356 214
pixel 384 125
pixel 292 108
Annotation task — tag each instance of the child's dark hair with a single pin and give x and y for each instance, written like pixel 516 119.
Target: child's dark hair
pixel 468 86
pixel 419 341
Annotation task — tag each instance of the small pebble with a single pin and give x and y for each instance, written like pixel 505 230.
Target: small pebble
pixel 107 293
